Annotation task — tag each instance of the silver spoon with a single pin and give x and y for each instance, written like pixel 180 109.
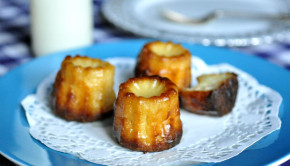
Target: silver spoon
pixel 216 14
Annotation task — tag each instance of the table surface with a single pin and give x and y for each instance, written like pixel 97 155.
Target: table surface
pixel 15 42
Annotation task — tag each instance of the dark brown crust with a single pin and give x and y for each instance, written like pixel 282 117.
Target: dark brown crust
pixel 128 99
pixel 171 141
pixel 83 116
pixel 217 102
pixel 63 101
pixel 176 68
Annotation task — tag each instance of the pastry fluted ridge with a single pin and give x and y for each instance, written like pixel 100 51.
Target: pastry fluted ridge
pixel 165 59
pixel 83 89
pixel 147 114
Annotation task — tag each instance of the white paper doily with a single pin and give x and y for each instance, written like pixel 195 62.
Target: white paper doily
pixel 205 139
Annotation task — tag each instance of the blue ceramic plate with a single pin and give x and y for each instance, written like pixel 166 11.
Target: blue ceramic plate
pixel 17 144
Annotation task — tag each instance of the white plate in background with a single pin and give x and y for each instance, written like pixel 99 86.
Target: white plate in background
pixel 143 17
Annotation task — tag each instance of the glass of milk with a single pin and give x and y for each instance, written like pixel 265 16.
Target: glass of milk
pixel 58 25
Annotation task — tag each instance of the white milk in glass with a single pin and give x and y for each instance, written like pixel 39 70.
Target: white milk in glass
pixel 58 25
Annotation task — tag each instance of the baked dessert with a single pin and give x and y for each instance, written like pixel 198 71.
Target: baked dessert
pixel 165 59
pixel 215 94
pixel 83 89
pixel 147 114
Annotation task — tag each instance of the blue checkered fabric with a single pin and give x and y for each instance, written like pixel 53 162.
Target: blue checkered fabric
pixel 15 37
pixel 277 53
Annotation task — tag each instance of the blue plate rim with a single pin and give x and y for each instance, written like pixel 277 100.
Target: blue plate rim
pixel 19 68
